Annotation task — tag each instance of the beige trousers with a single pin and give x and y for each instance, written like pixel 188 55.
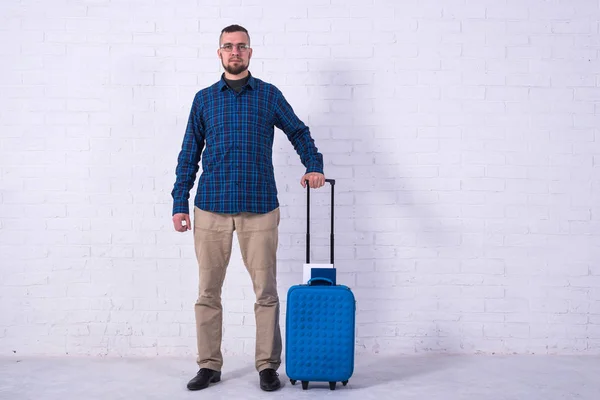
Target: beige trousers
pixel 258 238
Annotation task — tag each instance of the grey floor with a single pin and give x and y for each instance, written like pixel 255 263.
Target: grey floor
pixel 376 377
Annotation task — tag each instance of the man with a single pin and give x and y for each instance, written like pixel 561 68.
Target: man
pixel 233 122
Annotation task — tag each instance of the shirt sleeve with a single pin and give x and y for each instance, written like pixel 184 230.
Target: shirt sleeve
pixel 188 160
pixel 298 134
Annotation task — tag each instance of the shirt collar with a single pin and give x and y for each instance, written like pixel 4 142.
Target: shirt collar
pixel 251 82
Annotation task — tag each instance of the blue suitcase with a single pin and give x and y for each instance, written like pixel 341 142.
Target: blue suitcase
pixel 320 325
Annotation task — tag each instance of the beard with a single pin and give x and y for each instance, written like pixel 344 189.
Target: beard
pixel 235 69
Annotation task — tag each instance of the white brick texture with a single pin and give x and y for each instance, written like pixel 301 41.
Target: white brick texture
pixel 463 134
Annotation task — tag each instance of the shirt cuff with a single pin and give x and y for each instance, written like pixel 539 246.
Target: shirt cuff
pixel 181 207
pixel 314 168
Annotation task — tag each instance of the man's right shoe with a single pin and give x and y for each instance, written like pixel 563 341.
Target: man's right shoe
pixel 203 378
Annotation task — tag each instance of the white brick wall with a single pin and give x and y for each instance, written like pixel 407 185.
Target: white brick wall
pixel 463 135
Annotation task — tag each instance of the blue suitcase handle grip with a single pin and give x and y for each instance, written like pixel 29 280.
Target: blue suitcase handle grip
pixel 310 281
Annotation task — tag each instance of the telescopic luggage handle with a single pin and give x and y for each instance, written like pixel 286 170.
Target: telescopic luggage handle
pixel 331 240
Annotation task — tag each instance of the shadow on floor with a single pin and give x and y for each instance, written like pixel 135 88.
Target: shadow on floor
pixel 384 369
pixel 381 369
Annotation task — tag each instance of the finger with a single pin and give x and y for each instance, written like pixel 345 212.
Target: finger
pixel 177 222
pixel 314 181
pixel 187 222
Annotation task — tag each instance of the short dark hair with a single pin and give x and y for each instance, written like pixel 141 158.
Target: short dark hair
pixel 234 28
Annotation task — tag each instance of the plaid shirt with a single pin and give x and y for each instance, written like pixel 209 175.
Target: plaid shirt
pixel 236 132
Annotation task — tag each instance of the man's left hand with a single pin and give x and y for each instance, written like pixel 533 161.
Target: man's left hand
pixel 315 180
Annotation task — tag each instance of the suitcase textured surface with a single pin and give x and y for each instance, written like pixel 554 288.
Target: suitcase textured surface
pixel 320 333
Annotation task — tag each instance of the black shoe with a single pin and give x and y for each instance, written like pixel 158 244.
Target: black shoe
pixel 269 380
pixel 203 378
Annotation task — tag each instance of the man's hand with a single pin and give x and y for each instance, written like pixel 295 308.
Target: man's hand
pixel 179 219
pixel 315 180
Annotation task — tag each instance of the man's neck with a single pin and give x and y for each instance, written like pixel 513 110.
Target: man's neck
pixel 232 77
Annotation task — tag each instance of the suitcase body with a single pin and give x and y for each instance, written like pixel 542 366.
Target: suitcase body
pixel 320 323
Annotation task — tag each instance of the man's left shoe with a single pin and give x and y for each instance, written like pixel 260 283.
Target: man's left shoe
pixel 269 380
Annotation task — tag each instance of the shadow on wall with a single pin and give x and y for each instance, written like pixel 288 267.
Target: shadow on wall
pixel 388 214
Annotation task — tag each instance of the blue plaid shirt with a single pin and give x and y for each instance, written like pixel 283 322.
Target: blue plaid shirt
pixel 236 132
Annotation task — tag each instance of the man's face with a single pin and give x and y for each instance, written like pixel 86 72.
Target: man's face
pixel 234 57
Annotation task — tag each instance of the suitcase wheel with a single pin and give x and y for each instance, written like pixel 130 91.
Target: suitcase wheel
pixel 304 385
pixel 344 383
pixel 332 385
pixel 293 381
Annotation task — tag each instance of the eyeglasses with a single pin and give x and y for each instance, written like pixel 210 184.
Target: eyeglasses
pixel 242 47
